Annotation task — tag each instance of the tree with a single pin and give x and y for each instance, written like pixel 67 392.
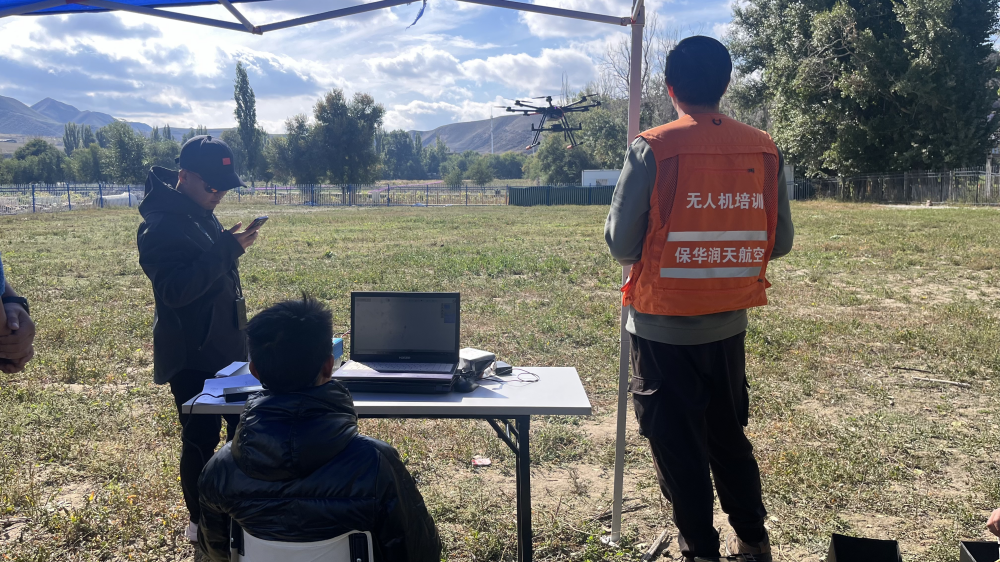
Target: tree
pixel 869 85
pixel 87 137
pixel 433 157
pixel 613 82
pixel 86 164
pixel 293 157
pixel 194 132
pixel 125 157
pixel 454 177
pixel 554 164
pixel 344 136
pixel 506 166
pixel 605 133
pixel 154 136
pixel 36 162
pixel 401 156
pixel 251 134
pixel 71 138
pixel 480 172
pixel 167 133
pixel 163 153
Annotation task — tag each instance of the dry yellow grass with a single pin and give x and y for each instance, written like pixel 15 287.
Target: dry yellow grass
pixel 848 441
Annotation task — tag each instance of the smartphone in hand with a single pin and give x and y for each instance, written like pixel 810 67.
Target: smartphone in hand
pixel 257 223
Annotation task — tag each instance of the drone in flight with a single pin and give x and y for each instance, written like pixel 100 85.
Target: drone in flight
pixel 555 113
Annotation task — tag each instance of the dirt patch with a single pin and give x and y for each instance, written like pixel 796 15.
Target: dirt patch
pixel 13 529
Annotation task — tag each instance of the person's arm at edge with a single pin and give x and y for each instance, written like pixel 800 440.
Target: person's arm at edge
pixel 625 228
pixel 405 530
pixel 784 233
pixel 179 283
pixel 19 334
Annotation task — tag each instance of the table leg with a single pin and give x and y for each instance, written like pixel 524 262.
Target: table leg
pixel 523 469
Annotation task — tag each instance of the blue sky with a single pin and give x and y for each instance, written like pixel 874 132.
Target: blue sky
pixel 456 62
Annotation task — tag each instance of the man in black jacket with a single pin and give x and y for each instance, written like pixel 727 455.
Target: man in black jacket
pixel 192 262
pixel 297 470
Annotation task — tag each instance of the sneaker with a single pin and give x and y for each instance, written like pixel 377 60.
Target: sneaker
pixel 756 552
pixel 191 533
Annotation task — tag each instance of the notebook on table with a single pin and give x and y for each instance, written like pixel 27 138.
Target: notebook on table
pixel 402 342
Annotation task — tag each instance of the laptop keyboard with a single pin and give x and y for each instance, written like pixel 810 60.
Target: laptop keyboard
pixel 409 367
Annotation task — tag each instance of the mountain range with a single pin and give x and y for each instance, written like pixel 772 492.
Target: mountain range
pixel 48 117
pixel 510 133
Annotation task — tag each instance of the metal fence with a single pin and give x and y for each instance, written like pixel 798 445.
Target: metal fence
pixel 971 186
pixel 64 197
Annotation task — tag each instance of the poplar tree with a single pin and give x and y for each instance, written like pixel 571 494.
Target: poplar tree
pixel 250 133
pixel 71 138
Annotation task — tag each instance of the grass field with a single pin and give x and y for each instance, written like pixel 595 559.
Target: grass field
pixel 848 440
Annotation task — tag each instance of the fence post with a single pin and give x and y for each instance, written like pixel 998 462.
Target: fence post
pixel 69 198
pixel 33 198
pixel 427 194
pixel 239 194
pixel 548 195
pixel 388 195
pixel 466 196
pixel 275 194
pixel 129 187
pixel 100 195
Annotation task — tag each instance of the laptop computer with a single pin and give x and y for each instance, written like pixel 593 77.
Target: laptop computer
pixel 402 342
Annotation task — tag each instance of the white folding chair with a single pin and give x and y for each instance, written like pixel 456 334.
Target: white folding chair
pixel 355 546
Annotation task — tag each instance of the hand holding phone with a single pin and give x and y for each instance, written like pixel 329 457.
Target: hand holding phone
pixel 256 224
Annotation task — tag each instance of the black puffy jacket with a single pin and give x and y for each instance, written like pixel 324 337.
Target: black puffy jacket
pixel 192 263
pixel 297 471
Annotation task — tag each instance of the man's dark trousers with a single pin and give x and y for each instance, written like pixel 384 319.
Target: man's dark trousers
pixel 199 434
pixel 692 404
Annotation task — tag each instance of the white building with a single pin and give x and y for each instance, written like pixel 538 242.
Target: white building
pixel 593 178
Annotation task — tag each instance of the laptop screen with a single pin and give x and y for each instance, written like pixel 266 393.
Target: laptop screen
pixel 404 326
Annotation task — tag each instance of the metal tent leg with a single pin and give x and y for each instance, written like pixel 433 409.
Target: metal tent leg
pixel 523 469
pixel 516 438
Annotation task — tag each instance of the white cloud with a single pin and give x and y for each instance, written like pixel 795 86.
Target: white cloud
pixel 546 26
pixel 420 115
pixel 425 63
pixel 527 75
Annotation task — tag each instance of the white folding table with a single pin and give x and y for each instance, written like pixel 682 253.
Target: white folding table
pixel 506 406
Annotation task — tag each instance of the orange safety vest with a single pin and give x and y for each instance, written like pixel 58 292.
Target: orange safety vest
pixel 712 217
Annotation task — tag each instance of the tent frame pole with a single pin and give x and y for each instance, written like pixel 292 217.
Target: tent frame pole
pixel 18 10
pixel 248 27
pixel 574 14
pixel 238 15
pixel 108 5
pixel 634 109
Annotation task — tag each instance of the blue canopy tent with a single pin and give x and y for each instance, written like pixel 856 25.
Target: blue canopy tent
pixel 153 8
pixel 635 20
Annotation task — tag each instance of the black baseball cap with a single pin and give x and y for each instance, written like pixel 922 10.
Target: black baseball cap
pixel 211 159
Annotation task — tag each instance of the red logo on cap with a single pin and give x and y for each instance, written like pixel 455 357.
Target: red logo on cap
pixel 226 162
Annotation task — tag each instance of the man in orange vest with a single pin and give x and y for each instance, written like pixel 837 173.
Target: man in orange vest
pixel 700 208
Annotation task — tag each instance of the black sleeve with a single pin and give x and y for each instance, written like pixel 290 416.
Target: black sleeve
pixel 213 527
pixel 179 269
pixel 404 530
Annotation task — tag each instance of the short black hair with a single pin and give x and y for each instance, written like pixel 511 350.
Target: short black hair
pixel 289 342
pixel 699 69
